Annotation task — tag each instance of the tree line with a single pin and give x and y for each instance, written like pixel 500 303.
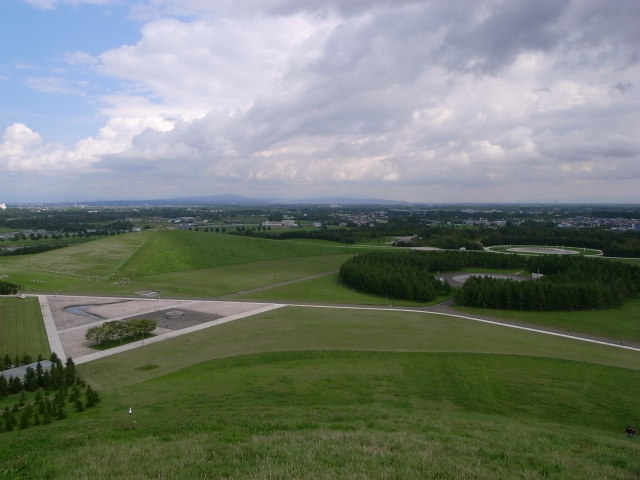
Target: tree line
pixel 568 282
pixel 6 362
pixel 44 394
pixel 542 295
pixel 8 288
pixel 612 243
pixel 30 250
pixel 120 329
pixel 400 275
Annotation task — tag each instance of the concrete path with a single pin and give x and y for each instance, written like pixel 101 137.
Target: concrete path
pixel 228 311
pixel 50 326
pixel 175 333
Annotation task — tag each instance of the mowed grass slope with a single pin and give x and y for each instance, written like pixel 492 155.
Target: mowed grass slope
pixel 329 393
pixel 347 394
pixel 228 279
pixel 21 328
pixel 179 250
pixel 617 323
pixel 309 328
pixel 98 258
pixel 180 263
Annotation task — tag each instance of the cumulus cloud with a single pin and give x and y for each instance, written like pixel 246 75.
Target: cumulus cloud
pixel 412 98
pixel 55 85
pixel 51 4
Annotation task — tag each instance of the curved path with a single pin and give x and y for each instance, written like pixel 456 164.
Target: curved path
pixel 65 339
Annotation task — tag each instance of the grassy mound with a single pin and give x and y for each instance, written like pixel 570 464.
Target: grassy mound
pixel 98 258
pixel 346 414
pixel 179 250
pixel 299 328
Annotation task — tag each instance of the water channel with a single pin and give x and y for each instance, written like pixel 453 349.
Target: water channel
pixel 82 310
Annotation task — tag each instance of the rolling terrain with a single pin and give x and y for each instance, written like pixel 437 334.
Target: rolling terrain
pixel 323 393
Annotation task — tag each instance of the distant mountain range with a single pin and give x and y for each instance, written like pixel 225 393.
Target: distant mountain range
pixel 240 200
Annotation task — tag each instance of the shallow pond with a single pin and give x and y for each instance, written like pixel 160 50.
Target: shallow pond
pixel 82 310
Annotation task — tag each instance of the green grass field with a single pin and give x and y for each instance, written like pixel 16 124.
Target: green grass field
pixel 177 250
pixel 321 392
pixel 21 328
pixel 325 393
pixel 309 328
pixel 326 289
pixel 619 324
pixel 98 259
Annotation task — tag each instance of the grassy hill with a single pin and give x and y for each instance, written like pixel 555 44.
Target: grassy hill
pixel 179 250
pixel 175 262
pixel 322 393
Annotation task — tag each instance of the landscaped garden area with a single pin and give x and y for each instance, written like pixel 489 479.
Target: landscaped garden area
pixel 319 391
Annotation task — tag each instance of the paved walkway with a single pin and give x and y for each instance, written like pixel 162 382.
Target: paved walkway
pixel 50 326
pixel 172 334
pixel 224 312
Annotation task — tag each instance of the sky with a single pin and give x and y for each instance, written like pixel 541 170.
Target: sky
pixel 424 101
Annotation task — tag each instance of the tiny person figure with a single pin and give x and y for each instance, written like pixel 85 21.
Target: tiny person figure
pixel 633 432
pixel 130 410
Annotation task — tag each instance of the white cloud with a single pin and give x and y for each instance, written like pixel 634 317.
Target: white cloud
pixel 55 85
pixel 79 57
pixel 372 96
pixel 51 4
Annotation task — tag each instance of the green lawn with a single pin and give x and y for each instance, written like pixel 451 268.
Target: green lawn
pixel 309 328
pixel 93 260
pixel 21 328
pixel 228 279
pixel 333 393
pixel 347 414
pixel 326 289
pixel 620 323
pixel 177 250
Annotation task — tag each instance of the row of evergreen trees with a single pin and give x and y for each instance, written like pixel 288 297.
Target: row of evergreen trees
pixel 400 275
pixel 569 282
pixel 52 391
pixel 612 243
pixel 7 362
pixel 542 294
pixel 54 378
pixel 29 250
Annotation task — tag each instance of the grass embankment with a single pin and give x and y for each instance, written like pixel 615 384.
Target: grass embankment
pixel 536 407
pixel 175 250
pixel 327 289
pixel 205 265
pixel 227 279
pixel 21 328
pixel 98 259
pixel 313 328
pixel 617 324
pixel 124 264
